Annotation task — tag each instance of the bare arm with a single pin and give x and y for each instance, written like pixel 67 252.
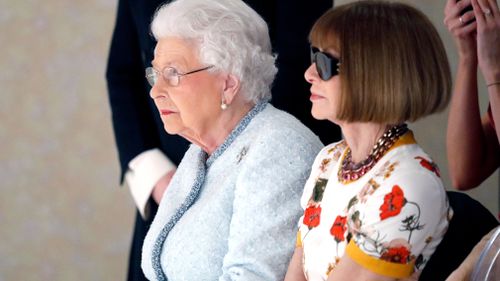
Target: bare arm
pixel 494 94
pixel 469 146
pixel 488 41
pixel 343 271
pixel 471 142
pixel 346 267
pixel 295 272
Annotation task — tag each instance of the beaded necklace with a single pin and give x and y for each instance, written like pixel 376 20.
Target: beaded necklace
pixel 350 171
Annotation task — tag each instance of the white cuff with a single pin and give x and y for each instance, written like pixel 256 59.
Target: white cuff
pixel 144 172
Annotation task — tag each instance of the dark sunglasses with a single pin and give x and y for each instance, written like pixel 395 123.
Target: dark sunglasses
pixel 326 65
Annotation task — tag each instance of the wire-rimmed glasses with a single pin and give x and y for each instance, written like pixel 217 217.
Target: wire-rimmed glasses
pixel 171 75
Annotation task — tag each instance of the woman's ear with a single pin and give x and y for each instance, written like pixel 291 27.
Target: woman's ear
pixel 231 88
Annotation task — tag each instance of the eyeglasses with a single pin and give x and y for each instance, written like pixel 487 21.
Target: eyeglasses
pixel 326 65
pixel 171 75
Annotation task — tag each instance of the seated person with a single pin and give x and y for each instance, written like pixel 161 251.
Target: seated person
pixel 374 204
pixel 229 211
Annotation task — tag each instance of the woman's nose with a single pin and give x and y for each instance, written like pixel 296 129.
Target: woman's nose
pixel 157 90
pixel 154 92
pixel 311 74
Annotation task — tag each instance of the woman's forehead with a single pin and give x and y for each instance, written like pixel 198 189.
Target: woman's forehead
pixel 174 49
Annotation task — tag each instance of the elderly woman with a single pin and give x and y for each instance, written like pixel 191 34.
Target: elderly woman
pixel 374 204
pixel 228 212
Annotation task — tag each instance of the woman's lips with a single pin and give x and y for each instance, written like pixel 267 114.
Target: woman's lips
pixel 165 112
pixel 315 97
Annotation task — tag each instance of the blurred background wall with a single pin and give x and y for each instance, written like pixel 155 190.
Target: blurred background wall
pixel 63 215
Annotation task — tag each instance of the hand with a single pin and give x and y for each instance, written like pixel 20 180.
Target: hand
pixel 488 38
pixel 461 27
pixel 161 186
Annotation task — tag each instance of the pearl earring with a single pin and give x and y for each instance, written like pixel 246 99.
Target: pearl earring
pixel 223 104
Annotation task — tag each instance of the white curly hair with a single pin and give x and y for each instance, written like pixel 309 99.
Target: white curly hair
pixel 229 34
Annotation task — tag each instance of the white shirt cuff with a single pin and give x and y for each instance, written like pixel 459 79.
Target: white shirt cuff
pixel 144 172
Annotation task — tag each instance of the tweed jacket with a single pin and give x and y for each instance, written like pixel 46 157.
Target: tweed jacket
pixel 232 216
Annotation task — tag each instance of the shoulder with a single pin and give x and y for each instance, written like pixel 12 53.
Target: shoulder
pixel 275 131
pixel 403 201
pixel 411 174
pixel 277 147
pixel 412 166
pixel 322 169
pixel 280 123
pixel 328 156
pixel 334 150
pixel 192 154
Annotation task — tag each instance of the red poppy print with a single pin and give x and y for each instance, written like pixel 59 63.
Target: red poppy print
pixel 312 216
pixel 338 228
pixel 431 166
pixel 396 254
pixel 393 203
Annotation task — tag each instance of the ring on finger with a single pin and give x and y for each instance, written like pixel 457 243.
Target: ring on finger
pixel 461 20
pixel 487 12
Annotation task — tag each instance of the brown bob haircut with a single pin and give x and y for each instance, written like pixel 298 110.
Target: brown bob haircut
pixel 394 66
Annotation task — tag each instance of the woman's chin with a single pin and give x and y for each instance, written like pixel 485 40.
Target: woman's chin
pixel 171 130
pixel 172 124
pixel 318 115
pixel 322 114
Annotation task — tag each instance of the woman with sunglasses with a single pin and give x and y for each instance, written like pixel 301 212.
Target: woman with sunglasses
pixel 229 211
pixel 374 204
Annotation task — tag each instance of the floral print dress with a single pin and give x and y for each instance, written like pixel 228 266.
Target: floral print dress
pixel 389 221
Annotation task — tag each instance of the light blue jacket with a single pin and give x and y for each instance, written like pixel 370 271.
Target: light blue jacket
pixel 233 216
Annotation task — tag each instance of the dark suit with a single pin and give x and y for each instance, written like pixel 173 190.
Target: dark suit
pixel 136 121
